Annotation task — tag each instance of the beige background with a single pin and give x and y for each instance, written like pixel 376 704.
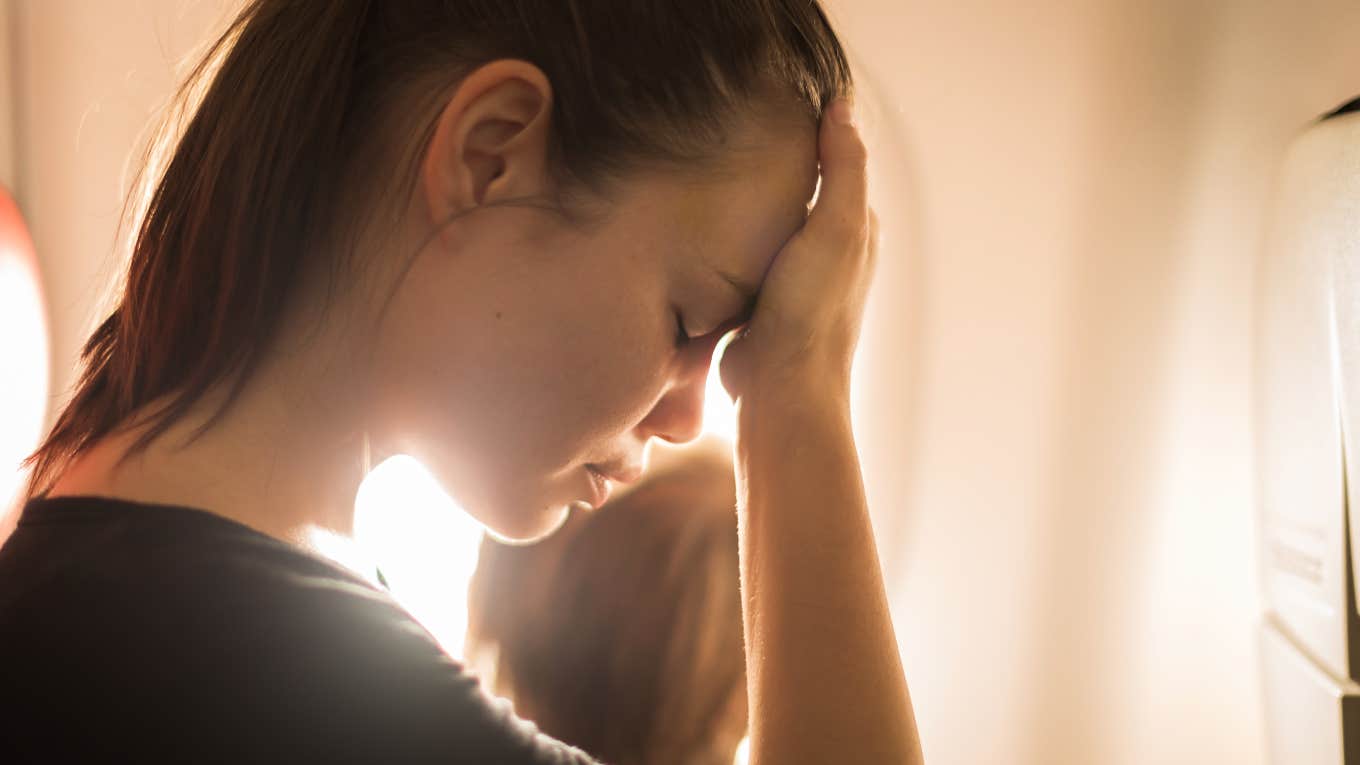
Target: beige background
pixel 1053 385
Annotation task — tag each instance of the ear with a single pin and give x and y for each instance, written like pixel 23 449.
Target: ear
pixel 490 141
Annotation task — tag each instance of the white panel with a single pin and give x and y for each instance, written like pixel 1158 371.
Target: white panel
pixel 1304 703
pixel 1302 500
pixel 1335 148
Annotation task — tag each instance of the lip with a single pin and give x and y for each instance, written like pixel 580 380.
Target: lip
pixel 600 487
pixel 622 474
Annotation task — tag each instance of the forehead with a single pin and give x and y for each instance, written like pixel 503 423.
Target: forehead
pixel 735 217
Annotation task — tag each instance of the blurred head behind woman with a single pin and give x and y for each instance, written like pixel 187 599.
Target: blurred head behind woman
pixel 622 633
pixel 500 236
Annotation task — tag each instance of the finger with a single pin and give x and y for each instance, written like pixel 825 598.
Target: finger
pixel 840 214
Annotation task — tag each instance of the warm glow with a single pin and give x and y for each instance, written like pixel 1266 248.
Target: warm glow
pixel 425 545
pixel 743 752
pixel 720 416
pixel 23 365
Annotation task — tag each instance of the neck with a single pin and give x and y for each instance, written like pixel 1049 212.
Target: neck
pixel 286 459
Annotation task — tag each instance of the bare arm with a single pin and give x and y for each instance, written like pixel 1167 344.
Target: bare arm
pixel 825 679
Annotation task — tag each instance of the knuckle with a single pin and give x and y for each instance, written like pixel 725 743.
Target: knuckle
pixel 855 149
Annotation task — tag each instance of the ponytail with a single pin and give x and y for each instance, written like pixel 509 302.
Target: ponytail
pixel 222 242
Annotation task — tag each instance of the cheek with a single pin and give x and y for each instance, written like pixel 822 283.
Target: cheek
pixel 605 366
pixel 538 371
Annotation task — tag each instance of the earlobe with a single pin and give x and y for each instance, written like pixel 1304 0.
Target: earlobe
pixel 490 140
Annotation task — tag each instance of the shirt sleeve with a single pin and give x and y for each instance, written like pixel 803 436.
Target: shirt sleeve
pixel 160 635
pixel 352 672
pixel 401 696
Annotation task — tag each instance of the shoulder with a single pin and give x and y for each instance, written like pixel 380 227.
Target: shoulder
pixel 190 633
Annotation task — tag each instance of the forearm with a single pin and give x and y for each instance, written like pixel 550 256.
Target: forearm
pixel 826 682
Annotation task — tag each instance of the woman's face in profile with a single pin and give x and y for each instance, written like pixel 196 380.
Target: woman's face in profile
pixel 530 356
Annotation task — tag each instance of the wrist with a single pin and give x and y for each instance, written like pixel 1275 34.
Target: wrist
pixel 783 405
pixel 810 382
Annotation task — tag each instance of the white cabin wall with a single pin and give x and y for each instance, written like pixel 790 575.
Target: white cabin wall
pixel 1054 380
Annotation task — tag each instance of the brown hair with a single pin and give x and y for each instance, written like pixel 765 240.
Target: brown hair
pixel 299 98
pixel 622 634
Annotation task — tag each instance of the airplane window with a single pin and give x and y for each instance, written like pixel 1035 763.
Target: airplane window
pixel 23 352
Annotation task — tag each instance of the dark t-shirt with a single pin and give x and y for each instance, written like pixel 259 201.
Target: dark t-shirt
pixel 152 633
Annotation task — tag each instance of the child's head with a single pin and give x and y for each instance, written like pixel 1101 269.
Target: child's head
pixel 622 634
pixel 506 234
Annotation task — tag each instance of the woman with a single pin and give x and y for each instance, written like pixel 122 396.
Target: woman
pixel 621 633
pixel 504 238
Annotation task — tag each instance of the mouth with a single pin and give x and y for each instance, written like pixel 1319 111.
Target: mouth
pixel 600 486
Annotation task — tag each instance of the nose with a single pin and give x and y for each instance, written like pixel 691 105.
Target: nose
pixel 678 417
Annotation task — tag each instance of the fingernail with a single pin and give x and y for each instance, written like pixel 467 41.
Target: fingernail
pixel 842 112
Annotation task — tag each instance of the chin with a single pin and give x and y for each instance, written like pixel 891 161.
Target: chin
pixel 523 528
pixel 513 509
